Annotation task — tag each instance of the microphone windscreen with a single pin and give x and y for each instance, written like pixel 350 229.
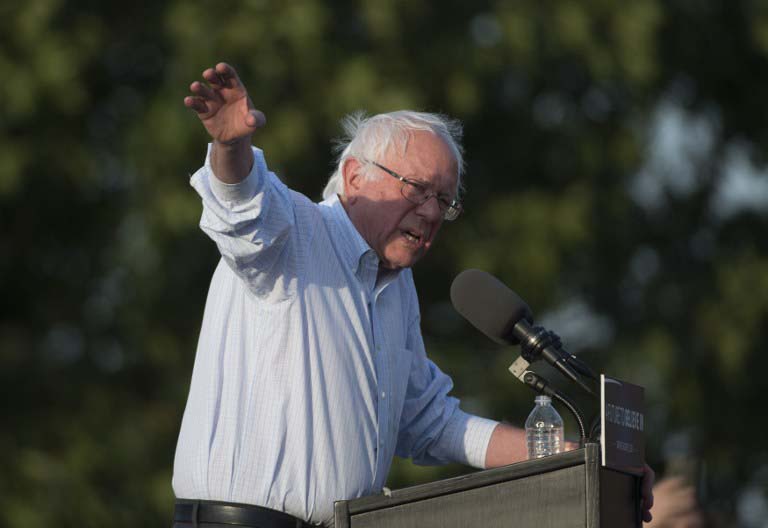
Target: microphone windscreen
pixel 489 305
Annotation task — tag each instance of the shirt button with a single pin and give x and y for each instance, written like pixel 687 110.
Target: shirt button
pixel 383 394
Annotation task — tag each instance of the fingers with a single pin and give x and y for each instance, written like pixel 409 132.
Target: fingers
pixel 222 76
pixel 646 490
pixel 213 78
pixel 228 75
pixel 203 99
pixel 206 96
pixel 201 90
pixel 222 104
pixel 647 486
pixel 197 104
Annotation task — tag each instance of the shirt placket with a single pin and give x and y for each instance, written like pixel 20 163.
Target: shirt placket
pixel 383 386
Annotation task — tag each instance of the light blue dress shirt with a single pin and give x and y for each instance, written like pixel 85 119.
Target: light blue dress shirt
pixel 310 373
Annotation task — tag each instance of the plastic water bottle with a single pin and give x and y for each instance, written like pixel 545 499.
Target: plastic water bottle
pixel 544 429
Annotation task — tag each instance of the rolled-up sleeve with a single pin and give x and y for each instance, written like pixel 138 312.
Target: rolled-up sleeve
pixel 433 429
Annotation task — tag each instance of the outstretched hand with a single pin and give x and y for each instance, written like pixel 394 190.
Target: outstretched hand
pixel 223 105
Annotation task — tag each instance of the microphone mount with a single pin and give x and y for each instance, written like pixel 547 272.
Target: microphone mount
pixel 537 343
pixel 543 338
pixel 538 383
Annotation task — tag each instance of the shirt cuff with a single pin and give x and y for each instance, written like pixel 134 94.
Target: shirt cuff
pixel 470 436
pixel 237 192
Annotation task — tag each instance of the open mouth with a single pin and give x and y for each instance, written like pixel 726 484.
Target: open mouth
pixel 412 236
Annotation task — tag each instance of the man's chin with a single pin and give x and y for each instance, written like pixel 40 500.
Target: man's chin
pixel 401 261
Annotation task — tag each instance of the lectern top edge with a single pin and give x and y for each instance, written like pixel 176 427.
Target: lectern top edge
pixel 472 480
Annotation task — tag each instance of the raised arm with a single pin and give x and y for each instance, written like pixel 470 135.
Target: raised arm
pixel 227 113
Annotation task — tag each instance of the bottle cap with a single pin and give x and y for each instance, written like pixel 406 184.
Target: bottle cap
pixel 541 400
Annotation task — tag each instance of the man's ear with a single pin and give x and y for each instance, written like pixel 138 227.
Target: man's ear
pixel 352 174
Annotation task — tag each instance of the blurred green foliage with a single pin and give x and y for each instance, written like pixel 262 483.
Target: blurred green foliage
pixel 617 180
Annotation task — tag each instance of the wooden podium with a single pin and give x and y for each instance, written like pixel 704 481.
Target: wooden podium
pixel 568 490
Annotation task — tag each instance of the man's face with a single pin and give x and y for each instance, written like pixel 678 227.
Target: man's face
pixel 399 231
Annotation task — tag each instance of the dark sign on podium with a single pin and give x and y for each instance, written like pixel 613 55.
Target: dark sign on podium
pixel 622 408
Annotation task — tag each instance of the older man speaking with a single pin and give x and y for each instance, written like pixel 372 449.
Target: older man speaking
pixel 310 372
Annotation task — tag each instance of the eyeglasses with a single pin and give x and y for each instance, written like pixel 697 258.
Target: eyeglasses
pixel 418 193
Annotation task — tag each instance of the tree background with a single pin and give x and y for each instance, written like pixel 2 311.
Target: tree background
pixel 617 181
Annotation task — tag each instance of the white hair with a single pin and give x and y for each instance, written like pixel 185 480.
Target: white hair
pixel 371 137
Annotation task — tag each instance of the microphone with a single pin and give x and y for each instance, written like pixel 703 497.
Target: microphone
pixel 503 316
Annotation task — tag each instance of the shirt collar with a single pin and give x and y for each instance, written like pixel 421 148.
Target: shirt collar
pixel 354 250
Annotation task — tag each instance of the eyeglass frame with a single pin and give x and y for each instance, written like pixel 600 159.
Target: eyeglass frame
pixel 445 207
